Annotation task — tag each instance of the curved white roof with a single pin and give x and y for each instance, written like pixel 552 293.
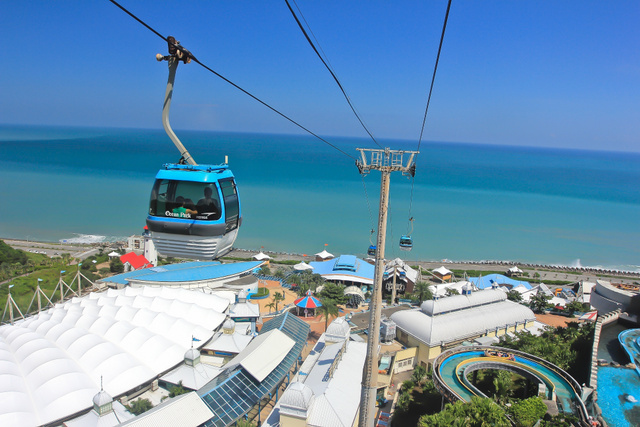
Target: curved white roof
pixel 354 290
pixel 461 324
pixel 51 363
pixel 338 330
pixel 297 397
pixel 462 302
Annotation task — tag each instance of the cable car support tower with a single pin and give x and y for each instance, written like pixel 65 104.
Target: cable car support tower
pixel 386 161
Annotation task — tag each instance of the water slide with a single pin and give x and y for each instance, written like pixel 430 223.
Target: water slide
pixel 630 341
pixel 452 367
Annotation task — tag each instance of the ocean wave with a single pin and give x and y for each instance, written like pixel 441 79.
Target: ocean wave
pixel 89 239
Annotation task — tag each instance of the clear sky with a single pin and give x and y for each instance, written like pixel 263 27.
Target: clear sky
pixel 539 73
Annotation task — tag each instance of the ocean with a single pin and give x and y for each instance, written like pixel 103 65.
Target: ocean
pixel 470 202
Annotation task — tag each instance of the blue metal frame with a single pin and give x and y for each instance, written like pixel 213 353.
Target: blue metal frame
pixel 233 393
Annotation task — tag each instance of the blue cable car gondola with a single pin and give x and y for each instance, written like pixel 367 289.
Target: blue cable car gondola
pixel 371 251
pixel 406 243
pixel 194 210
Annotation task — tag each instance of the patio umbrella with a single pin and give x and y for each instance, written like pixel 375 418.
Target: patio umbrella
pixel 308 301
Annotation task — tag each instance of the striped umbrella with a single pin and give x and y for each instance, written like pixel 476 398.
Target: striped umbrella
pixel 308 301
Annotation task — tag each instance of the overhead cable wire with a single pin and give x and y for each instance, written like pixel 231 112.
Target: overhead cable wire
pixel 435 69
pixel 328 68
pixel 194 59
pixel 426 110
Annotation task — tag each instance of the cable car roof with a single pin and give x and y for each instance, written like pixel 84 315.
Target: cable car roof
pixel 197 173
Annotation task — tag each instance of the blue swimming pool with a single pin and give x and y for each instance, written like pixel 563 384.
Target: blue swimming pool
pixel 613 386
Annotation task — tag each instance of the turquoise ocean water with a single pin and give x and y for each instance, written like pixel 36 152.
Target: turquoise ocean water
pixel 470 202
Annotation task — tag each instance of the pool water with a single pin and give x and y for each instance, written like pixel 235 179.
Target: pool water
pixel 613 386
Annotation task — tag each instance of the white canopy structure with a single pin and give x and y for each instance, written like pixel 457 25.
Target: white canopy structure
pixel 442 271
pixel 52 362
pixel 261 257
pixel 114 253
pixel 302 266
pixel 324 255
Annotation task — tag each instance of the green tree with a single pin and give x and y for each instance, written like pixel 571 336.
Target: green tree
pixel 423 291
pixel 449 292
pixel 539 302
pixel 572 307
pixel 334 292
pixel 526 413
pixel 514 296
pixel 477 413
pixel 561 420
pixel 404 400
pixel 9 255
pixel 279 273
pixel 139 406
pixel 265 270
pixel 270 306
pixel 418 374
pixel 502 383
pixel 277 297
pixel 177 390
pixel 115 265
pixel 327 309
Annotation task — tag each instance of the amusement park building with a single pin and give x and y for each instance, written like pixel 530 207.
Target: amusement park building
pixel 447 322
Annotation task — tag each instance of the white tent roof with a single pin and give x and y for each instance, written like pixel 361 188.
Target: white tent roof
pixel 443 271
pixel 515 269
pixel 302 266
pixel 53 361
pixel 114 253
pixel 261 256
pixel 324 254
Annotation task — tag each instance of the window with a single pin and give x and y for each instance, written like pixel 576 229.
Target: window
pixel 231 204
pixel 177 199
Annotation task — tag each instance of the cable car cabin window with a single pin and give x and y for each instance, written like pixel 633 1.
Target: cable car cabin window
pixel 231 205
pixel 185 199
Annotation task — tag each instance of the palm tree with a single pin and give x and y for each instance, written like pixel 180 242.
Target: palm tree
pixel 423 291
pixel 270 306
pixel 328 309
pixel 277 297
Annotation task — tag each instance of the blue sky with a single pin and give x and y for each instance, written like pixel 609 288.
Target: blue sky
pixel 538 73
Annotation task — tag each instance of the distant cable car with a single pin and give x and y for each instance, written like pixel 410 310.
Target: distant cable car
pixel 406 243
pixel 372 248
pixel 194 210
pixel 371 251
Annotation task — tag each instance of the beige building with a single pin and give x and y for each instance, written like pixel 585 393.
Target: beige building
pixel 447 322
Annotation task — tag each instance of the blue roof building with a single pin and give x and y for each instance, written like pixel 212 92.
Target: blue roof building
pixel 195 274
pixel 487 281
pixel 346 269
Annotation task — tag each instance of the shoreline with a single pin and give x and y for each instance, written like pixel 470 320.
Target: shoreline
pixel 490 265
